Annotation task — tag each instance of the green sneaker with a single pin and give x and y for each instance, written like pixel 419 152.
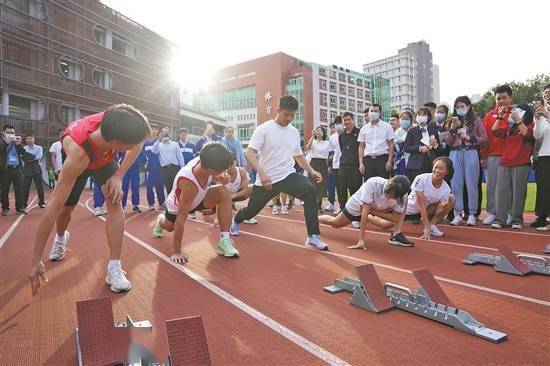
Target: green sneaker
pixel 227 249
pixel 157 230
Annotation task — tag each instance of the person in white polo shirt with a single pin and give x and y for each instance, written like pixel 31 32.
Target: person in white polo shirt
pixel 57 158
pixel 375 146
pixel 278 143
pixel 431 197
pixel 379 201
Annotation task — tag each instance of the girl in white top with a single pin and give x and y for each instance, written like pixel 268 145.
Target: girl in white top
pixel 541 132
pixel 319 148
pixel 431 197
pixel 192 191
pixel 380 201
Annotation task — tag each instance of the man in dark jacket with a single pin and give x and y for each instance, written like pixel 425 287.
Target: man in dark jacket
pixel 423 145
pixel 32 171
pixel 11 165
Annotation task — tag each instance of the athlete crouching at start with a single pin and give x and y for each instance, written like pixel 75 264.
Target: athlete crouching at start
pixel 380 201
pixel 192 191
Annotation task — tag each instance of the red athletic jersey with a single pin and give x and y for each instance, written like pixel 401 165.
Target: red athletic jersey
pixel 494 145
pixel 80 131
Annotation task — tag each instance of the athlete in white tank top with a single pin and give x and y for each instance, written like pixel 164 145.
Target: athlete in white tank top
pixel 235 186
pixel 186 172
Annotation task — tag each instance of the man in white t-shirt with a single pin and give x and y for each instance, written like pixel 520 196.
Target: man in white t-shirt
pixel 278 143
pixel 431 197
pixel 55 150
pixel 376 146
pixel 379 201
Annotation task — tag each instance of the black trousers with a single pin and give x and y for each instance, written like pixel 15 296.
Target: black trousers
pixel 349 181
pixel 375 167
pixel 295 185
pixel 37 178
pixel 339 187
pixel 169 172
pixel 542 206
pixel 7 178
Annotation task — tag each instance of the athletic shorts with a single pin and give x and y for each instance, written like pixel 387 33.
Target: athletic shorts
pixel 172 216
pixel 350 216
pixel 100 176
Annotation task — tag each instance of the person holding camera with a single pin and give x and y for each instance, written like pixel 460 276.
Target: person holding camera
pixel 11 166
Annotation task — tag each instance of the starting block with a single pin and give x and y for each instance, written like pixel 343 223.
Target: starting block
pixel 508 262
pixel 100 341
pixel 547 249
pixel 429 302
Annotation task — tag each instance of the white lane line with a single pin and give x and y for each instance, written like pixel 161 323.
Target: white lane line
pixel 431 241
pixel 11 229
pixel 519 232
pixel 399 269
pixel 278 328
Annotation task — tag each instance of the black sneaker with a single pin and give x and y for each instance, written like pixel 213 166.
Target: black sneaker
pixel 42 205
pixel 136 209
pixel 538 223
pixel 5 212
pixel 21 211
pixel 400 239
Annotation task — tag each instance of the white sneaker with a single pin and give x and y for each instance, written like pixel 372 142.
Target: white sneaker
pixel 435 231
pixel 284 210
pixel 544 228
pixel 472 221
pixel 329 207
pixel 116 278
pixel 275 210
pixel 151 207
pixel 509 219
pixel 57 252
pixel 99 211
pixel 489 220
pixel 192 216
pixel 457 220
pixel 356 224
pixel 496 225
pixel 517 226
pixel 252 221
pixel 158 232
pixel 315 242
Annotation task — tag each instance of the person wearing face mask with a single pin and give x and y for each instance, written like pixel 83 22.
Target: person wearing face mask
pixel 465 137
pixel 170 157
pixel 401 157
pixel 423 145
pixel 440 121
pixel 11 165
pixel 376 146
pixel 513 172
pixel 432 107
pixel 541 132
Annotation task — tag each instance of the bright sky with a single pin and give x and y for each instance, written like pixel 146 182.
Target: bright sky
pixel 477 44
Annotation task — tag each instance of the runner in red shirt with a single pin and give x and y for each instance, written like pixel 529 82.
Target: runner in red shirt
pixel 90 146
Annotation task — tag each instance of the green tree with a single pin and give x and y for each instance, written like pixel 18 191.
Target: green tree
pixel 527 91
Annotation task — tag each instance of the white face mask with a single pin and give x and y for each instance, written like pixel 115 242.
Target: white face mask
pixel 165 139
pixel 422 120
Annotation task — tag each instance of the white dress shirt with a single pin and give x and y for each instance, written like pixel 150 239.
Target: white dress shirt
pixel 376 137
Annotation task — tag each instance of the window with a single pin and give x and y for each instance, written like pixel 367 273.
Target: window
pixel 323 115
pixel 351 91
pixel 245 132
pixel 351 79
pixel 332 86
pixel 323 99
pixel 70 68
pixel 25 107
pixel 360 93
pixel 351 105
pixel 114 41
pixel 333 101
pixel 332 74
pixel 323 84
pixel 69 113
pixel 197 131
pixel 359 82
pixel 103 78
pixel 322 71
pixel 342 103
pixel 342 89
pixel 35 8
pixel 367 95
pixel 342 77
pixel 360 107
pixel 333 115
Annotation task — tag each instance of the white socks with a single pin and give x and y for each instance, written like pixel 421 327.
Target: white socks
pixel 61 239
pixel 113 264
pixel 224 235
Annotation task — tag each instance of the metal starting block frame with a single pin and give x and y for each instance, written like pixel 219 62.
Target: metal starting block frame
pixel 508 262
pixel 99 339
pixel 547 249
pixel 369 295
